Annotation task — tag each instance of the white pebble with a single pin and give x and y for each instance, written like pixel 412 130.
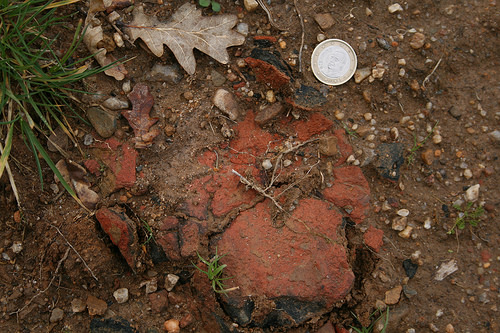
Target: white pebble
pixel 472 193
pixel 437 139
pixel 266 164
pixel 115 103
pixel 270 96
pixel 287 163
pixel 351 159
pixel 121 295
pixel 118 39
pixel 395 7
pixel 402 72
pixel 320 38
pixel 402 62
pixel 170 281
pixel 368 116
pixel 17 247
pixel 427 223
pixel 467 173
pixel 403 212
pixel 126 87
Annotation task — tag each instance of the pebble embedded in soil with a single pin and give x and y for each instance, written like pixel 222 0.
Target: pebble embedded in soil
pixel 78 305
pixel 151 285
pixel 406 233
pixel 165 73
pixel 472 193
pixel 392 296
pixel 226 102
pixel 324 20
pixel 56 315
pixel 399 223
pixel 417 41
pixel 361 74
pixel 403 212
pixel 242 28
pixel 103 122
pixel 395 7
pixel 114 103
pixel 428 156
pixel 251 5
pixel 328 146
pixel 170 281
pixel 266 164
pixel 268 112
pixel 217 78
pixel 172 326
pixel 121 295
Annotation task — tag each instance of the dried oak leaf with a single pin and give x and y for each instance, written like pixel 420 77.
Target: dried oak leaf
pixel 187 30
pixel 138 118
pixel 93 38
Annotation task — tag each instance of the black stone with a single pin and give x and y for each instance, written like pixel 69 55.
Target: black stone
pixel 111 325
pixel 273 59
pixel 389 160
pixel 410 268
pixel 309 97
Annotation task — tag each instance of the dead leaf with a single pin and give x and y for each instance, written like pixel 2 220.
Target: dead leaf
pixel 138 117
pixel 74 174
pixel 93 37
pixel 187 29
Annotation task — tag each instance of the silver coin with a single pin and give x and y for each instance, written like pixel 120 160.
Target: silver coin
pixel 333 62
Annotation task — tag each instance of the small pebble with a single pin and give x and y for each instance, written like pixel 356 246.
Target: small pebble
pixel 127 87
pixel 188 95
pixel 403 212
pixel 368 116
pixel 406 233
pixel 472 193
pixel 417 40
pixel 467 173
pixel 282 44
pixel 368 12
pixel 287 163
pixel 399 223
pixel 437 139
pixel 449 328
pixel 242 28
pixel 320 38
pixel 402 62
pixel 270 97
pixel 427 223
pixel 114 103
pixel 324 20
pixel 121 295
pixel 394 133
pixel 226 102
pixel 172 325
pixel 266 164
pixel 56 315
pixel 17 247
pixel 428 156
pixel 392 296
pixel 251 5
pixel 395 7
pixel 402 72
pixel 170 281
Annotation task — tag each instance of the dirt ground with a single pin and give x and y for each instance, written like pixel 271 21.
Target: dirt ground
pixel 444 94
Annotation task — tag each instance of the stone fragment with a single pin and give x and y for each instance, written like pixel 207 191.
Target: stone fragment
pixel 151 285
pixel 417 40
pixel 270 96
pixel 267 113
pixel 446 269
pixel 399 223
pixel 495 135
pixel 172 326
pixel 449 328
pixel 324 20
pixel 410 268
pixel 165 73
pixel 78 305
pixel 395 7
pixel 251 5
pixel 56 315
pixel 242 28
pixel 226 102
pixel 409 293
pixel 170 281
pixel 308 98
pixel 437 139
pixel 378 71
pixel 96 306
pixel 122 232
pixel 121 295
pixel 217 78
pixel 58 139
pixel 114 103
pixel 389 160
pixel 403 212
pixel 361 74
pixel 472 193
pixel 267 164
pixel 428 156
pixel 328 146
pixel 103 122
pixel 406 233
pixel 392 296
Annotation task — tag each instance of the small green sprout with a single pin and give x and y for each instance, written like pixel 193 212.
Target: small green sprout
pixel 418 145
pixel 466 216
pixel 147 230
pixel 369 329
pixel 206 3
pixel 214 273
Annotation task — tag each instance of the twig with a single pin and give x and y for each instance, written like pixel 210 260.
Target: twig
pixel 65 256
pixel 433 70
pixel 270 15
pixel 78 254
pixel 302 36
pixel 257 188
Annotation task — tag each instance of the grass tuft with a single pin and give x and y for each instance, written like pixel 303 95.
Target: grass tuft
pixel 36 84
pixel 214 273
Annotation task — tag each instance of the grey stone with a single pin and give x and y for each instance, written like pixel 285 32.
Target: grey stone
pixel 217 78
pixel 103 122
pixel 165 73
pixel 56 315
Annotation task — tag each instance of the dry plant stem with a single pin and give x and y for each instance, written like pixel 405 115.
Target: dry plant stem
pixel 270 15
pixel 257 188
pixel 11 179
pixel 65 256
pixel 433 70
pixel 302 36
pixel 78 254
